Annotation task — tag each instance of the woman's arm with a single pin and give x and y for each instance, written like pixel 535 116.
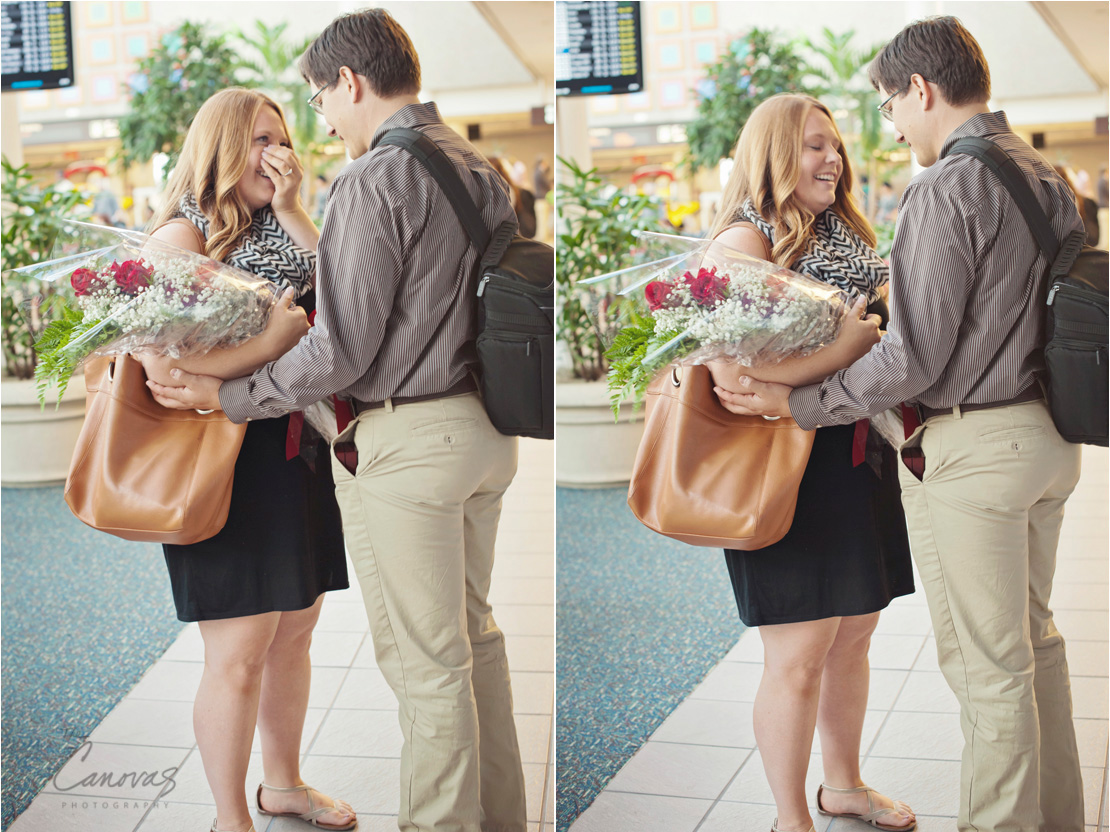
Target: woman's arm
pixel 859 333
pixel 286 204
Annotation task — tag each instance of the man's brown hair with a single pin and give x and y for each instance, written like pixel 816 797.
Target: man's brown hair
pixel 373 45
pixel 942 51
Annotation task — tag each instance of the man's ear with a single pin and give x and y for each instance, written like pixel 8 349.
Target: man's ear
pixel 928 92
pixel 352 82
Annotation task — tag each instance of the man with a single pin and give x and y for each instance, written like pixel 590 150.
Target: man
pixel 965 341
pixel 421 503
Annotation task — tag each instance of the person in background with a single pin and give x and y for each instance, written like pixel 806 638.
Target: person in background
pixel 321 197
pixel 887 210
pixel 1103 189
pixel 1088 208
pixel 524 202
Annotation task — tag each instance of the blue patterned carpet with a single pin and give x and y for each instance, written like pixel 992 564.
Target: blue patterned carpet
pixel 641 619
pixel 84 615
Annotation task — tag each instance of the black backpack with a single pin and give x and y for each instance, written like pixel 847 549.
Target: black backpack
pixel 516 305
pixel 1076 351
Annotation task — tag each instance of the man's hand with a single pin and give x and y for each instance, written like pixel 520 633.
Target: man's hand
pixel 765 398
pixel 195 392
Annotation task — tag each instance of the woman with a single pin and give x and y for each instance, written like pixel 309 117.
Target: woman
pixel 524 201
pixel 256 587
pixel 816 594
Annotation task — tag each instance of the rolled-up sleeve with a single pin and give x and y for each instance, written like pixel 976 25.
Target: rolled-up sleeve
pixel 932 272
pixel 359 259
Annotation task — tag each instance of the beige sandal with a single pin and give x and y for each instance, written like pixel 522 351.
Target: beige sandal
pixel 775 827
pixel 314 812
pixel 214 829
pixel 872 815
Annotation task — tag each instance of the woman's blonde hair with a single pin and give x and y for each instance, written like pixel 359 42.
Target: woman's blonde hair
pixel 767 169
pixel 213 159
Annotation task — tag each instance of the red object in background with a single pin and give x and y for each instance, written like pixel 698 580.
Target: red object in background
pixel 84 167
pixel 343 417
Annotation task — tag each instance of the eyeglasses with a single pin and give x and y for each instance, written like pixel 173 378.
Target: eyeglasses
pixel 315 102
pixel 884 108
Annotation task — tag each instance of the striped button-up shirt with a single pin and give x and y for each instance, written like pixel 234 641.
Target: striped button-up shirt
pixel 967 289
pixel 392 261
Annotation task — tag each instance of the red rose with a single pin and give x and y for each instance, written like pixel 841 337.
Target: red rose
pixel 707 288
pixel 132 276
pixel 85 281
pixel 656 294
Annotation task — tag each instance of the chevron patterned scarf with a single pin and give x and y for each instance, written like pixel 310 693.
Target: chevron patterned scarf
pixel 836 255
pixel 265 250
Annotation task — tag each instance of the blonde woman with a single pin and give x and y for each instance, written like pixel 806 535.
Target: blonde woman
pixel 816 595
pixel 257 586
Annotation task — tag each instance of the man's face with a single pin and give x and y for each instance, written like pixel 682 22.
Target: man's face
pixel 334 105
pixel 911 124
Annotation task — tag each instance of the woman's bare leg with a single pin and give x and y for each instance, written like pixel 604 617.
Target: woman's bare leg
pixel 281 713
pixel 843 705
pixel 226 708
pixel 786 710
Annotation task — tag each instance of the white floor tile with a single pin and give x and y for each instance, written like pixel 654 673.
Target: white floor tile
pixel 730 817
pixel 1089 698
pixel 169 681
pixel 117 772
pixel 894 652
pixel 920 736
pixel 359 734
pixel 530 653
pixel 885 687
pixel 904 620
pixel 730 681
pixel 191 785
pixel 1088 658
pixel 927 658
pixel 927 691
pixel 1080 597
pixel 616 812
pixel 679 770
pixel 511 590
pixel 709 722
pixel 365 688
pixel 534 778
pixel 326 682
pixel 930 787
pixel 339 618
pixel 63 814
pixel 1083 625
pixel 187 647
pixel 335 649
pixel 370 785
pixel 145 722
pixel 533 693
pixel 526 619
pixel 750 784
pixel 533 733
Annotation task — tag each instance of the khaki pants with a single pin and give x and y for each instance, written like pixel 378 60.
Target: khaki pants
pixel 983 524
pixel 420 518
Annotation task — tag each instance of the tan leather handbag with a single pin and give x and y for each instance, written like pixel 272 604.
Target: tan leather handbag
pixel 144 472
pixel 709 477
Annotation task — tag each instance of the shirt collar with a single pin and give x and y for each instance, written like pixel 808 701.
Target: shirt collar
pixel 980 124
pixel 410 115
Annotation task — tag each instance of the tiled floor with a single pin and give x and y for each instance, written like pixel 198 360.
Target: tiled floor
pixel 701 770
pixel 352 741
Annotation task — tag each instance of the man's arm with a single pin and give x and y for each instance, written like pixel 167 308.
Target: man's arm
pixel 358 271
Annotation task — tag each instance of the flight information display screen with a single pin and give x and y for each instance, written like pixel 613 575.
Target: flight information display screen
pixel 37 47
pixel 598 47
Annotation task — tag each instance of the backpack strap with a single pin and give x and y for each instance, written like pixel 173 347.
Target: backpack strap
pixel 1009 174
pixel 443 171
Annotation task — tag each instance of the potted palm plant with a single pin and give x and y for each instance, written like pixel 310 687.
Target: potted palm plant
pixel 37 442
pixel 597 234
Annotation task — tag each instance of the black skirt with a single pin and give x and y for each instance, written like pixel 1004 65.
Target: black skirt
pixel 847 552
pixel 282 545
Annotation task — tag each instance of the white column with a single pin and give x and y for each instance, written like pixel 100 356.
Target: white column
pixel 11 142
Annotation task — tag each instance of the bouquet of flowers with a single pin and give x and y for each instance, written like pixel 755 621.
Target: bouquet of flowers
pixel 120 291
pixel 699 301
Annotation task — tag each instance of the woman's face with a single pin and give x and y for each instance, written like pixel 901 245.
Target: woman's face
pixel 254 186
pixel 821 163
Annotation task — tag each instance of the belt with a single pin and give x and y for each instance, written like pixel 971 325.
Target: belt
pixel 466 385
pixel 1029 394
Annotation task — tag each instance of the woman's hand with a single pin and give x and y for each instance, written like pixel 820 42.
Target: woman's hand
pixel 158 367
pixel 288 324
pixel 859 333
pixel 284 169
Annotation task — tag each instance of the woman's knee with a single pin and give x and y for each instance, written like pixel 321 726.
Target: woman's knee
pixel 237 651
pixel 294 631
pixel 853 636
pixel 796 657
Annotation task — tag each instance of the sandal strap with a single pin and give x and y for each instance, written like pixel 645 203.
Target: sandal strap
pixel 285 788
pixel 856 790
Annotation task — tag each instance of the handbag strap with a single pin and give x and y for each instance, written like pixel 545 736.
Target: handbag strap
pixel 1002 165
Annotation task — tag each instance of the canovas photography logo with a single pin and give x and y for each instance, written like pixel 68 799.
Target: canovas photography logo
pixel 75 778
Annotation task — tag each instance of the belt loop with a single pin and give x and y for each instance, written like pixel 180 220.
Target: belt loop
pixel 388 405
pixel 957 413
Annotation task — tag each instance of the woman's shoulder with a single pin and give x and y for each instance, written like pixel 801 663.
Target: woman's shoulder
pixel 180 232
pixel 745 237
